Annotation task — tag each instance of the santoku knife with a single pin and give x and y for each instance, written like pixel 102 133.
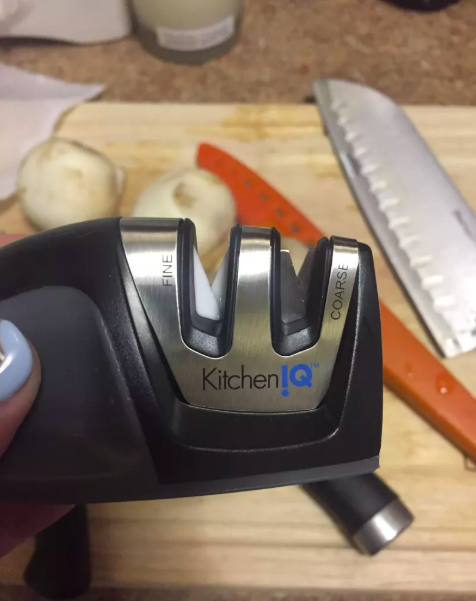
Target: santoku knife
pixel 423 224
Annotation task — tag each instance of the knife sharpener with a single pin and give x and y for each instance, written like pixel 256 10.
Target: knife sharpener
pixel 156 384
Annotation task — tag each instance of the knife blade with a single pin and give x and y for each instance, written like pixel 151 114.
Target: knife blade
pixel 408 367
pixel 423 224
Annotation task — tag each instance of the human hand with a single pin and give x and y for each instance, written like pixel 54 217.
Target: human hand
pixel 20 376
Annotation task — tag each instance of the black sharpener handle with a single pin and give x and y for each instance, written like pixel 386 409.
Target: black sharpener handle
pixel 368 512
pixel 81 441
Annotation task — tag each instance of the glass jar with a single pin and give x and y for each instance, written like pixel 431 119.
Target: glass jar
pixel 187 31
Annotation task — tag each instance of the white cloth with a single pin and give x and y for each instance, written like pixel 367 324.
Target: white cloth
pixel 30 105
pixel 8 8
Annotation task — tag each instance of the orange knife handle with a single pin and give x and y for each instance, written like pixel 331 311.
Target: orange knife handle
pixel 408 367
pixel 423 382
pixel 257 202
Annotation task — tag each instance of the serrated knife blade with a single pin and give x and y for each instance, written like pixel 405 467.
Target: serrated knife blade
pixel 422 222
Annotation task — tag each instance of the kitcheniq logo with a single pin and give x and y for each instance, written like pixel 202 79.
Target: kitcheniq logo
pixel 298 376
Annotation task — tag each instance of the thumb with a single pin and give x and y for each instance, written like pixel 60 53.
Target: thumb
pixel 20 376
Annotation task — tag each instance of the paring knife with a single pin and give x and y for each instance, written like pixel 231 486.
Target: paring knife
pixel 366 510
pixel 424 225
pixel 409 368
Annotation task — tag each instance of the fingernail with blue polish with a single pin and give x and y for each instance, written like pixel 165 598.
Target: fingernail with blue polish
pixel 16 360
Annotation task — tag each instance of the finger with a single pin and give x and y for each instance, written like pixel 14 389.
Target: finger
pixel 20 376
pixel 7 238
pixel 19 521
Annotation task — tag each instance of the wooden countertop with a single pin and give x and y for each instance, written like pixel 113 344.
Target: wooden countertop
pixel 279 538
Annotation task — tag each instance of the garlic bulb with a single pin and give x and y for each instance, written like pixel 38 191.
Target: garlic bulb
pixel 195 194
pixel 61 182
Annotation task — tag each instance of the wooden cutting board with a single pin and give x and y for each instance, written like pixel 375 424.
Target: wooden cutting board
pixel 279 538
